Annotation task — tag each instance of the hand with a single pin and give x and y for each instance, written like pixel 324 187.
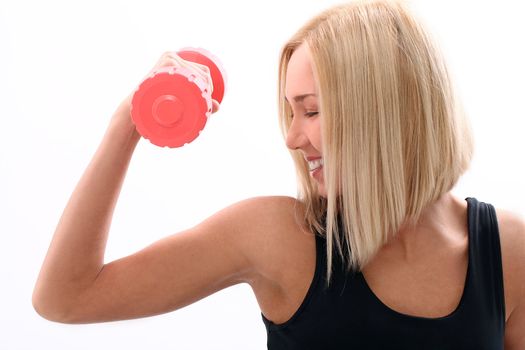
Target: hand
pixel 168 59
pixel 171 58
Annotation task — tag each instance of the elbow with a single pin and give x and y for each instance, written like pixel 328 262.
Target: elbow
pixel 51 311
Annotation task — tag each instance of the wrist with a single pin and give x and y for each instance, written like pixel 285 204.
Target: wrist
pixel 122 127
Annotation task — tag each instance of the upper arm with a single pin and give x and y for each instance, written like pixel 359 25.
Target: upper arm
pixel 512 236
pixel 515 328
pixel 177 270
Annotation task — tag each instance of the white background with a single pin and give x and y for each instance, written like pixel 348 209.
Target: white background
pixel 66 65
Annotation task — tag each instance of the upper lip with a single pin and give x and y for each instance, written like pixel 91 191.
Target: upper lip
pixel 312 158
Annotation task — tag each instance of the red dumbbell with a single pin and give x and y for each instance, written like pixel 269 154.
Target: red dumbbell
pixel 171 107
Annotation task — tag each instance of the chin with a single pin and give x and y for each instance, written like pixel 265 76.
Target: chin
pixel 321 190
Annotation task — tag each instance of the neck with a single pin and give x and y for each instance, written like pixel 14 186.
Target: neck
pixel 441 224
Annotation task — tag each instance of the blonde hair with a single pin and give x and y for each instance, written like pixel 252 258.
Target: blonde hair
pixel 394 135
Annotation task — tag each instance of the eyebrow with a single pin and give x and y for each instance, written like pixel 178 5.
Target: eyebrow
pixel 300 98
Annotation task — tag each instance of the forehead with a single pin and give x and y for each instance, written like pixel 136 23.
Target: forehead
pixel 299 75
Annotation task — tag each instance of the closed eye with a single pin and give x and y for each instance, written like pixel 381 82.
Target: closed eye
pixel 311 114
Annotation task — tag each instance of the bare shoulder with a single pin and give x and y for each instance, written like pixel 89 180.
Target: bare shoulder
pixel 282 250
pixel 273 222
pixel 272 205
pixel 512 240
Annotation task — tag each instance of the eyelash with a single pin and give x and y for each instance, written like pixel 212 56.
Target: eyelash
pixel 311 114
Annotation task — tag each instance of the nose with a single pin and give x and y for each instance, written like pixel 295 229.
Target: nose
pixel 296 138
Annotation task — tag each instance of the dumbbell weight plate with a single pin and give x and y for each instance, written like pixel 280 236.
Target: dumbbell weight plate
pixel 171 107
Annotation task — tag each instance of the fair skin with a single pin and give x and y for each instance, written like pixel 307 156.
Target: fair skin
pixel 241 244
pixel 391 275
pixel 302 95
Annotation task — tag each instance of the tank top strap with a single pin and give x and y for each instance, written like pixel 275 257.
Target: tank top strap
pixel 485 258
pixel 347 314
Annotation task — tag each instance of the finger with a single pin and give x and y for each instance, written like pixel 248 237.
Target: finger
pixel 171 58
pixel 215 106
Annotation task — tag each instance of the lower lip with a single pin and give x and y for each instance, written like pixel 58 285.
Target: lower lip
pixel 317 172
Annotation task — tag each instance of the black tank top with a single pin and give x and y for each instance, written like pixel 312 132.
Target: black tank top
pixel 349 316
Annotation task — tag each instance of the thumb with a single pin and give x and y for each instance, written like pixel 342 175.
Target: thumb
pixel 215 106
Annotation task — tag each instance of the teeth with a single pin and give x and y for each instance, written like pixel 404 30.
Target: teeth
pixel 314 164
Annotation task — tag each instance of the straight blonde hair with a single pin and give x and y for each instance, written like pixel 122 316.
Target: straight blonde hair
pixel 394 135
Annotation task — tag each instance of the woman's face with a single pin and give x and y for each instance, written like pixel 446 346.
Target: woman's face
pixel 302 95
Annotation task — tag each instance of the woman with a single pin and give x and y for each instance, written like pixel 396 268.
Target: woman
pixel 375 253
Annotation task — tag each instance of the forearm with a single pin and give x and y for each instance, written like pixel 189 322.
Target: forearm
pixel 76 253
